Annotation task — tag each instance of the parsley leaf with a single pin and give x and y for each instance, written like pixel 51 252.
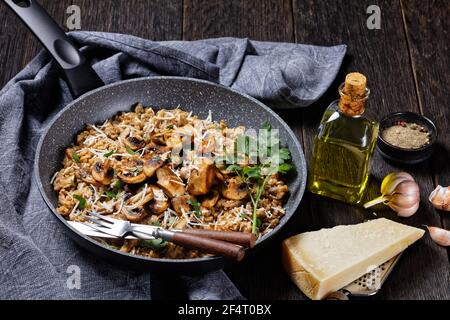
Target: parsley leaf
pixel 234 167
pixel 252 172
pixel 81 201
pixel 266 126
pixel 111 194
pixel 286 167
pixel 109 154
pixel 284 154
pixel 75 157
pixel 130 151
pixel 196 206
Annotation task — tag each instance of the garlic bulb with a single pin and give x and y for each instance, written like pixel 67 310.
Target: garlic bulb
pixel 400 192
pixel 440 198
pixel 440 236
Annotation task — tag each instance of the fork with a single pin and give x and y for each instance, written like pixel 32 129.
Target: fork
pixel 120 228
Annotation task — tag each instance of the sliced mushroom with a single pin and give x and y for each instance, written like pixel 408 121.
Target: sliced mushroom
pixel 131 171
pixel 172 185
pixel 159 139
pixel 160 203
pixel 181 204
pixel 201 180
pixel 157 150
pixel 219 175
pixel 150 166
pixel 234 189
pixel 86 176
pixel 140 199
pixel 102 172
pixel 134 216
pixel 134 143
pixel 210 200
pixel 173 140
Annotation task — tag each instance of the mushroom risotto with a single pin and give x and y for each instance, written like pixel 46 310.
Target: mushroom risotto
pixel 171 169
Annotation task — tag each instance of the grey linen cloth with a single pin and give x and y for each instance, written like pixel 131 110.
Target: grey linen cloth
pixel 37 260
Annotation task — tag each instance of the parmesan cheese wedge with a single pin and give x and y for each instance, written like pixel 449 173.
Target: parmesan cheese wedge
pixel 327 260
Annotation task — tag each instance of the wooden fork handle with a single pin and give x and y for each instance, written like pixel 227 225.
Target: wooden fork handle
pixel 206 245
pixel 240 238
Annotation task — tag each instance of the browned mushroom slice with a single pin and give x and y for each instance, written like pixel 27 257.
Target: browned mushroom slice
pixel 134 216
pixel 210 200
pixel 140 198
pixel 201 180
pixel 134 143
pixel 131 171
pixel 102 172
pixel 234 189
pixel 172 185
pixel 219 175
pixel 86 176
pixel 150 166
pixel 157 150
pixel 160 203
pixel 159 139
pixel 181 204
pixel 173 140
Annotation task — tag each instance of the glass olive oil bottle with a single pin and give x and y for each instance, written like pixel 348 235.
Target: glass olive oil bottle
pixel 344 145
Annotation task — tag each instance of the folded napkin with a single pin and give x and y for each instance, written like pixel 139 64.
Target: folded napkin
pixel 38 261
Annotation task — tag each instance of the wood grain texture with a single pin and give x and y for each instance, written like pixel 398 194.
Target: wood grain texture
pixel 383 56
pixel 260 20
pixel 156 20
pixel 406 63
pixel 428 38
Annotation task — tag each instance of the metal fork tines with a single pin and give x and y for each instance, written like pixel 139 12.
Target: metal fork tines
pixel 114 227
pixel 120 228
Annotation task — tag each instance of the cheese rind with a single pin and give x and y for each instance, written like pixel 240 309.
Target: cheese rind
pixel 325 261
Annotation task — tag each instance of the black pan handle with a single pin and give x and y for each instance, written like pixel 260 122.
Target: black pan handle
pixel 79 74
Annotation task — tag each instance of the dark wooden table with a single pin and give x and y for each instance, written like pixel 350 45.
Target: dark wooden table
pixel 406 61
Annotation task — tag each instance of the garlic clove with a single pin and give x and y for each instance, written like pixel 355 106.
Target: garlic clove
pixel 403 211
pixel 440 236
pixel 440 198
pixel 405 200
pixel 392 180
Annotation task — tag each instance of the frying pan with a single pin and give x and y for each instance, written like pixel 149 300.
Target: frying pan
pixel 94 103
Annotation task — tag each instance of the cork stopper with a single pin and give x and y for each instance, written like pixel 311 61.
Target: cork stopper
pixel 353 94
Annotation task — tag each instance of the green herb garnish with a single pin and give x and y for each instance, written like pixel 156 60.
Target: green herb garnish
pixel 115 190
pixel 118 185
pixel 111 194
pixel 153 244
pixel 109 154
pixel 170 127
pixel 276 161
pixel 75 157
pixel 258 223
pixel 266 126
pixel 130 151
pixel 196 206
pixel 81 201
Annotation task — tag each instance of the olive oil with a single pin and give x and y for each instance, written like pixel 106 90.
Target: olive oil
pixel 344 145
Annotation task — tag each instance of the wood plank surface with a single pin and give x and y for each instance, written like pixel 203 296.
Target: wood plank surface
pixel 406 63
pixel 383 56
pixel 156 20
pixel 428 38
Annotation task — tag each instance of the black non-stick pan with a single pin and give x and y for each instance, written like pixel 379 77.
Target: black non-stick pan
pixel 94 103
